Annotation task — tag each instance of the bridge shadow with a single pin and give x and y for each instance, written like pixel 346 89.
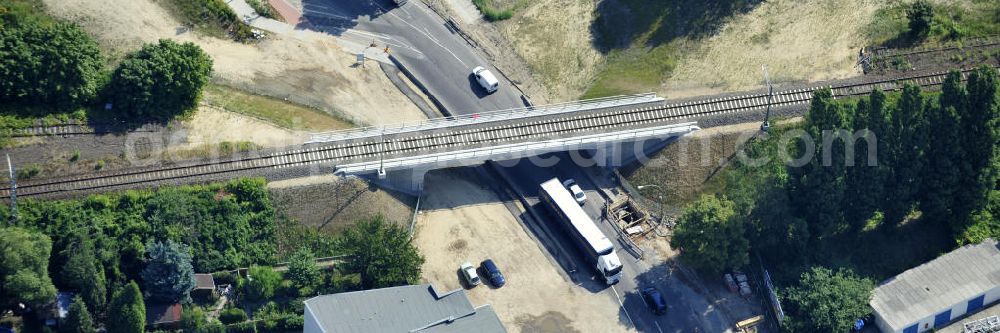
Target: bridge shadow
pixel 622 24
pixel 337 16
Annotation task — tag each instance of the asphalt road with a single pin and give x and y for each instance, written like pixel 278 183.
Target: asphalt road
pixel 687 311
pixel 423 43
pixel 442 61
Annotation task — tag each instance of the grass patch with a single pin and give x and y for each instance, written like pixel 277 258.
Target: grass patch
pixel 634 70
pixel 210 17
pixel 15 12
pixel 498 10
pixel 643 39
pixel 264 8
pixel 951 22
pixel 273 110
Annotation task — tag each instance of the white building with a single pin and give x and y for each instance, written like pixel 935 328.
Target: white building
pixel 933 294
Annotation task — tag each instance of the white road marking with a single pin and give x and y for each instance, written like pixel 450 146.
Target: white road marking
pixel 428 36
pixel 658 327
pixel 622 306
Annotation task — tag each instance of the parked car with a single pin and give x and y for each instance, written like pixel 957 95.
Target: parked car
pixel 654 299
pixel 493 273
pixel 470 275
pixel 486 79
pixel 574 189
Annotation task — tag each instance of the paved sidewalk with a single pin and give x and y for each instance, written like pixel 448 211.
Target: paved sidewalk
pixel 248 15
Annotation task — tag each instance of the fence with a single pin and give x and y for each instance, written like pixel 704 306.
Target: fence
pixel 475 118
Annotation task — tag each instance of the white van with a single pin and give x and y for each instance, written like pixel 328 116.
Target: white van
pixel 486 79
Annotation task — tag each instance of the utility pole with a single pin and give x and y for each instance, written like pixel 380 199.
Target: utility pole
pixel 381 155
pixel 770 96
pixel 13 191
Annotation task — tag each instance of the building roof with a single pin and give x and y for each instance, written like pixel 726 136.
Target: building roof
pixel 928 289
pixel 204 281
pixel 163 313
pixel 417 308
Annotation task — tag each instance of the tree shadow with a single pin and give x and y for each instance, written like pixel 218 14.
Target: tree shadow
pixel 620 24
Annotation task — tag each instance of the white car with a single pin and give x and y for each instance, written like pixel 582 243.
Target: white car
pixel 470 275
pixel 573 188
pixel 486 79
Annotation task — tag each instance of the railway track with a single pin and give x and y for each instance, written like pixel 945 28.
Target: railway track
pixel 458 137
pixel 73 129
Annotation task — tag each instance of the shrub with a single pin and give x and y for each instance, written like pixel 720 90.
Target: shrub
pixel 920 16
pixel 491 13
pixel 244 327
pixel 232 316
pixel 263 282
pixel 160 81
pixel 224 278
pixel 53 65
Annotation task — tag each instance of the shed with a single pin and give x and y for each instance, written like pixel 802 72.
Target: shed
pixel 163 315
pixel 932 295
pixel 204 287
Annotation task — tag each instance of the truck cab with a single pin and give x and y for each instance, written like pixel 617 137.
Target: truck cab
pixel 611 268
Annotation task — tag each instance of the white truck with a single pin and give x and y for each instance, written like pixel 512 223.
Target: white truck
pixel 592 243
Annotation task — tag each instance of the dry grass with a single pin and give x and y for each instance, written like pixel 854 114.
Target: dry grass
pixel 553 36
pixel 797 40
pixel 273 110
pixel 332 204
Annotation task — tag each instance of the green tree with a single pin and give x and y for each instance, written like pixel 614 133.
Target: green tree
pixel 129 310
pixel 168 275
pixel 84 273
pixel 827 301
pixel 981 139
pixel 193 319
pixel 78 319
pixel 864 181
pixel 920 15
pixel 710 237
pixel 24 268
pixel 942 172
pixel 48 64
pixel 819 185
pixel 303 272
pixel 381 253
pixel 905 159
pixel 263 281
pixel 160 81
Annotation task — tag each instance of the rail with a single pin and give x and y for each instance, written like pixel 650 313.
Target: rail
pixel 454 138
pixel 506 114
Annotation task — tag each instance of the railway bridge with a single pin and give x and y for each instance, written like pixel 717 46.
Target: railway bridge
pixel 614 130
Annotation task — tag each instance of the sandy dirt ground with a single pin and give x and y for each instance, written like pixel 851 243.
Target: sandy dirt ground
pixel 203 128
pixel 308 69
pixel 553 36
pixel 798 41
pixel 331 203
pixel 806 40
pixel 460 220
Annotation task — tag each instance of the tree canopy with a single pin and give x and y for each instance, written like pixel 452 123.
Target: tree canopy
pixel 84 273
pixel 381 252
pixel 78 319
pixel 303 272
pixel 262 282
pixel 55 65
pixel 129 310
pixel 24 268
pixel 710 237
pixel 827 301
pixel 160 81
pixel 168 275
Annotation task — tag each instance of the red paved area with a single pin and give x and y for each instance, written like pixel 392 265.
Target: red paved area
pixel 289 13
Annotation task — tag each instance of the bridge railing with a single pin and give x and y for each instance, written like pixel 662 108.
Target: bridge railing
pixel 514 113
pixel 515 150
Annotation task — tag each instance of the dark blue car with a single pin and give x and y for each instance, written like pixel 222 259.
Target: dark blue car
pixel 654 300
pixel 493 273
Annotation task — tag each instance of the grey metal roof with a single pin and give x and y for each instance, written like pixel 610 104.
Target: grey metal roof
pixel 401 309
pixel 928 289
